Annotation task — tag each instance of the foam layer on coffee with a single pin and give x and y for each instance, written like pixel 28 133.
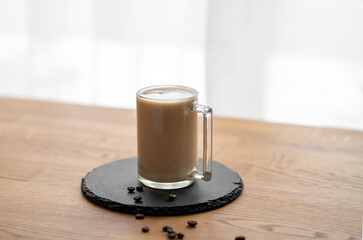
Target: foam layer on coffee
pixel 167 94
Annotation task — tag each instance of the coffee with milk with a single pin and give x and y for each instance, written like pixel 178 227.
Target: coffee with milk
pixel 167 135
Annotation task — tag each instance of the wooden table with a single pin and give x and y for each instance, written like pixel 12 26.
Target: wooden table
pixel 300 182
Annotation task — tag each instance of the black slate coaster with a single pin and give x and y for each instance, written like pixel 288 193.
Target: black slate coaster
pixel 107 186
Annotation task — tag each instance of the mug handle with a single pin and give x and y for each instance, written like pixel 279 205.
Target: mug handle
pixel 207 112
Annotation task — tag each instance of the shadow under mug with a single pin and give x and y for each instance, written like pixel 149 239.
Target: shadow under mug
pixel 167 137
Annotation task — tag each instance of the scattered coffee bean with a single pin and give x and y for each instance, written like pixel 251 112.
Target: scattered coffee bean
pixel 180 235
pixel 240 238
pixel 172 235
pixel 139 188
pixel 131 189
pixel 145 229
pixel 139 216
pixel 165 228
pixel 170 230
pixel 171 197
pixel 137 198
pixel 192 223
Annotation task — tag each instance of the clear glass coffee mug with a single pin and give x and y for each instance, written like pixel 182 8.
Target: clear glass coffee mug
pixel 167 137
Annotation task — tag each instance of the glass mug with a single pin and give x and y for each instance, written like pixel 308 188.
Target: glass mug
pixel 167 136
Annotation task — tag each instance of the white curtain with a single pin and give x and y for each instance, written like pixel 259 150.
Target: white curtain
pixel 294 61
pixel 102 51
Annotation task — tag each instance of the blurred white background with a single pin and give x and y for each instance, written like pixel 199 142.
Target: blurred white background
pixel 291 61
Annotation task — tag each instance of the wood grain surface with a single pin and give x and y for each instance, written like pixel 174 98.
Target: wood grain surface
pixel 300 182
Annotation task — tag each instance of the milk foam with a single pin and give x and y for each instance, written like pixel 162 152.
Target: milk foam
pixel 167 94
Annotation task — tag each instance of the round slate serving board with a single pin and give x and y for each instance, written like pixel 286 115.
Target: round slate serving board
pixel 107 186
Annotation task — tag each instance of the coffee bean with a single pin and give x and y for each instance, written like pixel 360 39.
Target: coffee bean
pixel 145 229
pixel 139 216
pixel 180 235
pixel 170 230
pixel 192 223
pixel 171 197
pixel 165 228
pixel 139 188
pixel 137 198
pixel 131 189
pixel 172 235
pixel 240 238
